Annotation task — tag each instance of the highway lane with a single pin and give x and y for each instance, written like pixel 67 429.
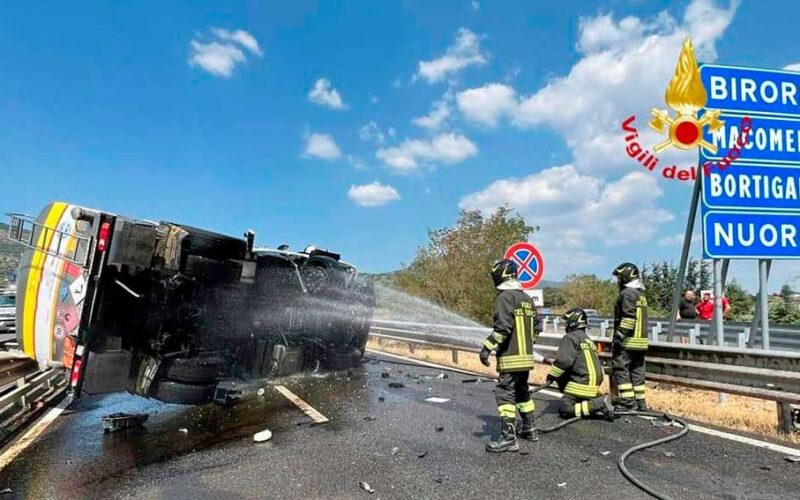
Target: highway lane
pixel 385 436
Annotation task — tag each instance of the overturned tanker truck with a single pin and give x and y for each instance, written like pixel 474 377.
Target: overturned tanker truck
pixel 170 312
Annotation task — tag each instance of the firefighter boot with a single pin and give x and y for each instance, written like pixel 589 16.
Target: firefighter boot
pixel 507 440
pixel 641 405
pixel 626 405
pixel 527 430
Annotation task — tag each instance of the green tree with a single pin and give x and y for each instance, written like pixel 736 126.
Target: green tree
pixel 554 297
pixel 590 292
pixel 704 275
pixel 784 311
pixel 453 269
pixel 742 303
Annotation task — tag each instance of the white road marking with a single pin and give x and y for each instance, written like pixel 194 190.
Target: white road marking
pixel 434 399
pixel 16 447
pixel 313 414
pixel 697 428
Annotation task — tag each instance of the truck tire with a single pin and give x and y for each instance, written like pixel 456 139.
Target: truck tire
pixel 183 394
pixel 342 360
pixel 194 370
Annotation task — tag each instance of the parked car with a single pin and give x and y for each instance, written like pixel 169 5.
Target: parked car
pixel 169 311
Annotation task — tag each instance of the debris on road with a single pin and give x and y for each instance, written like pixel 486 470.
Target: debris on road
pixel 469 380
pixel 260 437
pixel 366 487
pixel 422 455
pixel 121 421
pixel 370 418
pixel 439 429
pixel 6 491
pixel 793 459
pixel 442 376
pixel 381 399
pixel 605 453
pixel 562 485
pixel 669 454
pixel 261 392
pixel 395 450
pixel 524 452
pixel 184 430
pixel 434 399
pixel 585 460
pixel 385 375
pixel 396 385
pixel 765 467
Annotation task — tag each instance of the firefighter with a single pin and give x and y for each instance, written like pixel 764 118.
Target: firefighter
pixel 578 372
pixel 630 339
pixel 512 339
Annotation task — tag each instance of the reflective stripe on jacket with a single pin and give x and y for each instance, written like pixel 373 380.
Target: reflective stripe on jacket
pixel 577 367
pixel 630 319
pixel 514 332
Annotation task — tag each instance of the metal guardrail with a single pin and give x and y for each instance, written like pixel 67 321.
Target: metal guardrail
pixel 770 375
pixel 24 399
pixel 782 337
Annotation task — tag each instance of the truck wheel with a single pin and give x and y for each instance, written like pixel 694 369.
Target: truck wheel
pixel 183 394
pixel 196 370
pixel 342 360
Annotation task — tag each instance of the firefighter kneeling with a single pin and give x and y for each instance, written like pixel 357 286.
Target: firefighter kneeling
pixel 578 372
pixel 515 327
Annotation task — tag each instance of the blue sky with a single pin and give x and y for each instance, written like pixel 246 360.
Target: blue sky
pixel 360 125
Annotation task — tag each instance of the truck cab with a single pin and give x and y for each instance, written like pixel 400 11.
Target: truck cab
pixel 169 311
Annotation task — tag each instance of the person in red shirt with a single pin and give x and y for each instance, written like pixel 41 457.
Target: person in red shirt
pixel 705 309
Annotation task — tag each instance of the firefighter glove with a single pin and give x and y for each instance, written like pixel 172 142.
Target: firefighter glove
pixel 485 357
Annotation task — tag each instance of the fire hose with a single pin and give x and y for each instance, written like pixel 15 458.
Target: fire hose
pixel 623 468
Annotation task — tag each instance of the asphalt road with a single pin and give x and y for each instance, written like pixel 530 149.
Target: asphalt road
pixel 391 438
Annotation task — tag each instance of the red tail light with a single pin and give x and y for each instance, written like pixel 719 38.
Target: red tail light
pixel 102 239
pixel 76 370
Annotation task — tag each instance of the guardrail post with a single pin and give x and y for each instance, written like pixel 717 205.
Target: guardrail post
pixel 654 334
pixel 603 328
pixel 785 417
pixel 23 399
pixel 694 333
pixel 411 347
pixel 742 340
pixel 555 325
pixel 455 356
pixel 746 332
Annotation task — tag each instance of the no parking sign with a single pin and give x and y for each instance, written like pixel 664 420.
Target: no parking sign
pixel 530 264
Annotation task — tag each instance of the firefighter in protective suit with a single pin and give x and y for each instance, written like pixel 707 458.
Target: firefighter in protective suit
pixel 578 372
pixel 514 333
pixel 630 339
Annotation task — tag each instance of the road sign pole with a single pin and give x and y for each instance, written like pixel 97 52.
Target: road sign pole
pixel 763 301
pixel 751 340
pixel 718 327
pixel 687 243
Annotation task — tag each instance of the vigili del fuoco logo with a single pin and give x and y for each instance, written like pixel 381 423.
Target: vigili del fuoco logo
pixel 686 95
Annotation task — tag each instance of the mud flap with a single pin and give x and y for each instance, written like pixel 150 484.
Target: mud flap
pixel 145 370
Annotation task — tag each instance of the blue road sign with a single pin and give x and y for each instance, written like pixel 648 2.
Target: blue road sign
pixel 751 235
pixel 751 208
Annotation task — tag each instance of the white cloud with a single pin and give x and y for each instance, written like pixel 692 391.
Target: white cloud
pixel 792 67
pixel 324 94
pixel 578 213
pixel 372 132
pixel 487 104
pixel 322 146
pixel 676 240
pixel 374 99
pixel 241 37
pixel 435 119
pixel 624 70
pixel 220 52
pixel 463 52
pixel 476 6
pixel 372 195
pixel 444 148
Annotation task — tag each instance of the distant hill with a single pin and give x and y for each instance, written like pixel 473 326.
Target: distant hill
pixel 9 254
